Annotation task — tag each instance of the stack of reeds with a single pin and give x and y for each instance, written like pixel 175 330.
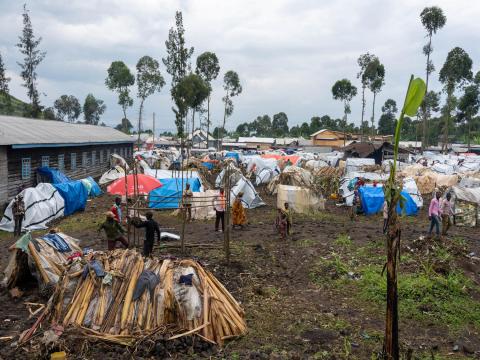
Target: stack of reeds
pixel 326 180
pixel 108 311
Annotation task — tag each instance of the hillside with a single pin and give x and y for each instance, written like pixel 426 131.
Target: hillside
pixel 18 106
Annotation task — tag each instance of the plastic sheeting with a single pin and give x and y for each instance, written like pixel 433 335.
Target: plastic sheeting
pixel 52 176
pixel 264 169
pixel 92 187
pixel 43 203
pixel 112 175
pixel 471 195
pixel 75 195
pixel 170 194
pixel 355 164
pixel 250 198
pixel 410 186
pixel 301 200
pixel 372 199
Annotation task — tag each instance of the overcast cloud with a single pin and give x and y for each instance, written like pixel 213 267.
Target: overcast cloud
pixel 288 54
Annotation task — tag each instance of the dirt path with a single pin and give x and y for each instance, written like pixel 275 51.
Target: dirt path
pixel 313 296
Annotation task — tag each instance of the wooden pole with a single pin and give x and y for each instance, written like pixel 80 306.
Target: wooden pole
pixel 226 234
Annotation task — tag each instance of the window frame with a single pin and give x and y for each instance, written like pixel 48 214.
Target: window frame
pixel 84 159
pixel 45 159
pixel 24 174
pixel 73 161
pixel 62 157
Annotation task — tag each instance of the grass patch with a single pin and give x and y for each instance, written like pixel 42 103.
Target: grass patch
pixel 426 296
pixel 326 270
pixel 343 240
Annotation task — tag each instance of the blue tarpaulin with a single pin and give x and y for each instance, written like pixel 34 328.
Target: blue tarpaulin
pixel 372 199
pixel 208 165
pixel 170 194
pixel 53 176
pixel 93 189
pixel 232 154
pixel 75 195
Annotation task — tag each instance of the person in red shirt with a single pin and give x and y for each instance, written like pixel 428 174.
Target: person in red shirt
pixel 117 209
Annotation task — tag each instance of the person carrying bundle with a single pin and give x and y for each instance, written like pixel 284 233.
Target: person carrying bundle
pixel 114 231
pixel 151 228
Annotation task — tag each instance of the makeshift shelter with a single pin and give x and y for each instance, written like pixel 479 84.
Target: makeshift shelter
pixel 250 198
pixel 46 258
pixel 467 204
pixel 292 175
pixel 372 199
pixel 112 174
pixel 74 194
pixel 50 175
pixel 264 169
pixel 301 200
pixel 122 298
pixel 92 187
pixel 376 151
pixel 43 203
pixel 169 196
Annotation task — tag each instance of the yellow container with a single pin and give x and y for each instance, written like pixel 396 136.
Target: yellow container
pixel 60 355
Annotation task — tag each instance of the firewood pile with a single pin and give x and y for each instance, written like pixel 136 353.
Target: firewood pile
pixel 104 299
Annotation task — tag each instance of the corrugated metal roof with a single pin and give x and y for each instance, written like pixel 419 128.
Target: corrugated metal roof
pixel 33 132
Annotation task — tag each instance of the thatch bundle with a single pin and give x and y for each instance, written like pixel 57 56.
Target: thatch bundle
pixel 106 309
pixel 326 180
pixel 292 175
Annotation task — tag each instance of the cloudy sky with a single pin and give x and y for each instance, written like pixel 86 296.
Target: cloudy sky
pixel 288 53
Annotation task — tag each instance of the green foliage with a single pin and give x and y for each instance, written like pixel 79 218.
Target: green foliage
pixel 280 125
pixel 93 109
pixel 208 66
pixel 386 124
pixel 125 126
pixel 49 113
pixel 343 240
pixel 149 78
pixel 426 296
pixel 119 79
pixel 68 108
pixel 414 98
pixel 432 19
pixel 4 80
pixel 456 70
pixel 28 46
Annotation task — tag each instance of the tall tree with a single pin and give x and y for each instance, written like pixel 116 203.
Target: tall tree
pixel 280 125
pixel 456 70
pixel 119 79
pixel 232 87
pixel 432 20
pixel 68 107
pixel 149 81
pixel 364 75
pixel 28 46
pixel 208 68
pixel 376 72
pixel 386 124
pixel 125 126
pixel 4 89
pixel 343 90
pixel 177 63
pixel 93 109
pixel 468 106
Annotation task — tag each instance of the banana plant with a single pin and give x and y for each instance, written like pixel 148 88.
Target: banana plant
pixel 414 97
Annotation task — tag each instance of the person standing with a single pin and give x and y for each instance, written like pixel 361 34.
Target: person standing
pixel 219 206
pixel 288 214
pixel 187 201
pixel 281 223
pixel 18 211
pixel 117 209
pixel 434 214
pixel 239 217
pixel 446 211
pixel 151 228
pixel 114 231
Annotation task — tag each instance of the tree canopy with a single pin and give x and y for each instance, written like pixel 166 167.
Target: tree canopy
pixel 93 109
pixel 68 108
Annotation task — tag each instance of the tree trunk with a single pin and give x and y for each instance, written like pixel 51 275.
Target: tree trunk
pixel 373 116
pixel 345 124
pixel 424 107
pixel 193 123
pixel 468 140
pixel 363 110
pixel 447 121
pixel 140 123
pixel 224 121
pixel 125 117
pixel 208 118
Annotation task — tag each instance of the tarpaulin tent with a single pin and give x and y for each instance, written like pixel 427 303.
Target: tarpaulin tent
pixel 92 187
pixel 132 184
pixel 75 195
pixel 234 155
pixel 170 194
pixel 372 199
pixel 43 203
pixel 52 176
pixel 250 198
pixel 112 174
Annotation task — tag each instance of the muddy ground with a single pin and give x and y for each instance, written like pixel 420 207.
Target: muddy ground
pixel 318 295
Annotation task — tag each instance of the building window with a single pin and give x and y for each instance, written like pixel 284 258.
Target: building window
pixel 101 157
pixel 108 155
pixel 121 152
pixel 73 161
pixel 26 168
pixel 94 157
pixel 61 161
pixel 114 150
pixel 45 161
pixel 85 159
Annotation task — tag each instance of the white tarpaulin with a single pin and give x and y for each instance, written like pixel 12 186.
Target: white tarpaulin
pixel 111 175
pixel 43 203
pixel 264 169
pixel 410 186
pixel 465 194
pixel 250 198
pixel 355 164
pixel 301 200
